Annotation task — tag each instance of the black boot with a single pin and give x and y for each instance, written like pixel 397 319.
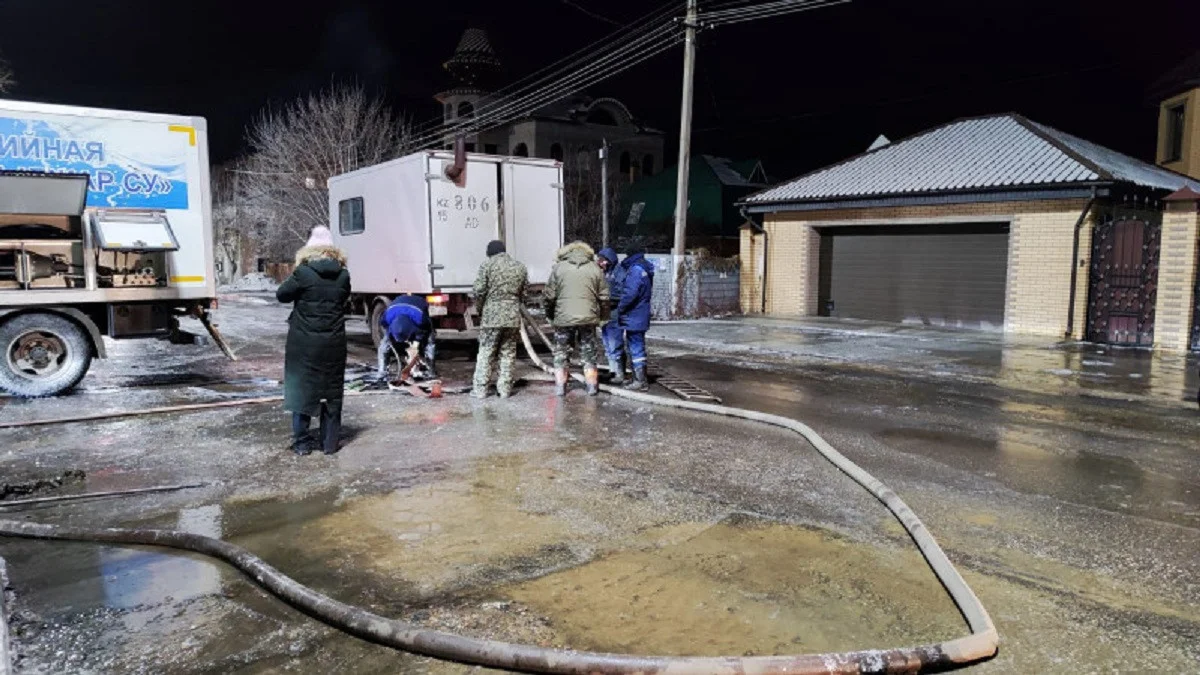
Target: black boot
pixel 331 430
pixel 639 382
pixel 301 440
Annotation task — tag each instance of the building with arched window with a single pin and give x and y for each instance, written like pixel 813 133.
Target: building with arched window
pixel 564 130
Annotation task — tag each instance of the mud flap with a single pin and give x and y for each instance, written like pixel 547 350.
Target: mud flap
pixel 206 319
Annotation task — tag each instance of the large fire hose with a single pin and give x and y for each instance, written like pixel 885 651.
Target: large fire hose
pixel 980 644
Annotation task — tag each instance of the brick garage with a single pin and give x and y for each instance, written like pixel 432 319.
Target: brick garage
pixel 995 211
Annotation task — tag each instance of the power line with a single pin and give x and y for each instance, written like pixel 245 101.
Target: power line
pixel 765 10
pixel 653 42
pixel 588 54
pixel 522 107
pixel 590 13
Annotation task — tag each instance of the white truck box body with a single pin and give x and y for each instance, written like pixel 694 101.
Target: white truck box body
pixel 134 160
pixel 424 234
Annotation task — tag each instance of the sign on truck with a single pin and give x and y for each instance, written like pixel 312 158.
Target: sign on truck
pixel 407 227
pixel 105 231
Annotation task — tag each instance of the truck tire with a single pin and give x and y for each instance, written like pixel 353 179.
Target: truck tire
pixel 42 354
pixel 375 316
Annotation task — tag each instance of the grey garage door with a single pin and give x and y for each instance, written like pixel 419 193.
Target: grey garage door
pixel 945 275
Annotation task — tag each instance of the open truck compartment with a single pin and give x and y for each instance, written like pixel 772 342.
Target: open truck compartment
pixel 105 230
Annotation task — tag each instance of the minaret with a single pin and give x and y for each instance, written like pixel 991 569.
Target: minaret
pixel 474 70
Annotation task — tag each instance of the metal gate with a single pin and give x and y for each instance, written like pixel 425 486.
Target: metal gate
pixel 1124 282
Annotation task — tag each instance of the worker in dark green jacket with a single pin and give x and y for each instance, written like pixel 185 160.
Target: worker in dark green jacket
pixel 314 370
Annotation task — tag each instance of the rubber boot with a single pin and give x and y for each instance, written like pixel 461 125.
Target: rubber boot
pixel 592 377
pixel 302 443
pixel 560 381
pixel 639 382
pixel 618 373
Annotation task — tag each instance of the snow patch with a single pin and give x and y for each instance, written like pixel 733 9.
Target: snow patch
pixel 256 282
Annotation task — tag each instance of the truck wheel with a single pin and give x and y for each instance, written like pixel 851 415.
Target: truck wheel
pixel 377 311
pixel 43 355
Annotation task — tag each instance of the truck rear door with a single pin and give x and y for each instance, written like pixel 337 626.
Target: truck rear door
pixel 533 215
pixel 463 220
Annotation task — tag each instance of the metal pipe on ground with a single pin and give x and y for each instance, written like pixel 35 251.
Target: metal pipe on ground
pixel 5 645
pixel 981 644
pixel 190 407
pixel 98 495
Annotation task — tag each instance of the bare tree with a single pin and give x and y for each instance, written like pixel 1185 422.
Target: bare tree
pixel 7 79
pixel 296 149
pixel 584 199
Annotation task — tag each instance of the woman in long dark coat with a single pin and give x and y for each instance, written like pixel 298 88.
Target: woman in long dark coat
pixel 315 363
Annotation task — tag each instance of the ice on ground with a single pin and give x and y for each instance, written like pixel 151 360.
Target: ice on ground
pixel 253 282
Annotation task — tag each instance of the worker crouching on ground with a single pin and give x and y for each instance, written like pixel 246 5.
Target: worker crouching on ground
pixel 499 292
pixel 407 320
pixel 576 300
pixel 611 333
pixel 315 362
pixel 633 311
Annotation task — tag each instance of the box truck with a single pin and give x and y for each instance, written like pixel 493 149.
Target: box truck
pixel 105 230
pixel 421 224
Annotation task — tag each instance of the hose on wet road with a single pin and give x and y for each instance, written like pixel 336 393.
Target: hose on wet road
pixel 980 644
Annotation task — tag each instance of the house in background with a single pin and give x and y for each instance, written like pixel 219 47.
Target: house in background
pixel 1179 117
pixel 994 223
pixel 715 185
pixel 572 128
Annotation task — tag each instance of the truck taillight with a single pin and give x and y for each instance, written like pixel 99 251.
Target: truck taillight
pixel 437 299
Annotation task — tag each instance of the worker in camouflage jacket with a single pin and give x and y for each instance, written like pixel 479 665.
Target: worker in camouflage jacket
pixel 576 302
pixel 499 292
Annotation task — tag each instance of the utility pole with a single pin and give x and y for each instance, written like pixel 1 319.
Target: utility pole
pixel 604 192
pixel 685 152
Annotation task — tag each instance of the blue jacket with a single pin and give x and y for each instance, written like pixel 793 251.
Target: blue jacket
pixel 637 286
pixel 615 274
pixel 407 318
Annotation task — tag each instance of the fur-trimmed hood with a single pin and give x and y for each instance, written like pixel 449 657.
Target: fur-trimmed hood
pixel 577 253
pixel 314 253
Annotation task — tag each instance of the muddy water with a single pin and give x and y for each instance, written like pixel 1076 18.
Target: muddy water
pixel 511 548
pixel 745 586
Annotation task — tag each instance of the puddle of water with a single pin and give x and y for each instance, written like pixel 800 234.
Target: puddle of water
pixel 746 587
pixel 432 535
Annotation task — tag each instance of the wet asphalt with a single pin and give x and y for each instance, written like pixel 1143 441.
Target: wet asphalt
pixel 1072 509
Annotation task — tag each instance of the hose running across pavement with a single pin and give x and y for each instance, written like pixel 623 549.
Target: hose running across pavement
pixel 981 644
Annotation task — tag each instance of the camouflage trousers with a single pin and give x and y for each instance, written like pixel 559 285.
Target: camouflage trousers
pixel 492 341
pixel 585 336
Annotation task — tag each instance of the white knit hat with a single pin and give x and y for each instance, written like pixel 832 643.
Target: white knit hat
pixel 321 236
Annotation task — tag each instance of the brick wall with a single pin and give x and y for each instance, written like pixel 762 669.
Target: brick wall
pixel 1040 243
pixel 1177 277
pixel 1040 249
pixel 750 255
pixel 794 247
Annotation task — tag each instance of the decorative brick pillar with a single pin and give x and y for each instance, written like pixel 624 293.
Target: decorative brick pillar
pixel 751 259
pixel 1177 272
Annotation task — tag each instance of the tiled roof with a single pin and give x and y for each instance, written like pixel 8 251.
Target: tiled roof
pixel 727 173
pixel 995 152
pixel 474 41
pixel 474 48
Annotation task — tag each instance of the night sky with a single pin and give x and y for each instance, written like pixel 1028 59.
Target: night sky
pixel 797 92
